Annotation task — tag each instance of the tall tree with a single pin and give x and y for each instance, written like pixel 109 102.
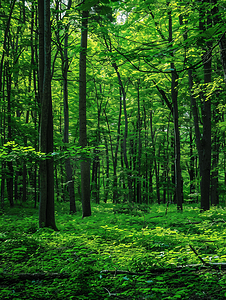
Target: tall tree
pixel 203 141
pixel 174 96
pixel 46 201
pixel 85 163
pixel 65 67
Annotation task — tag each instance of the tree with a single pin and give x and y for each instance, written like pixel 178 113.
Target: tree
pixel 46 201
pixel 85 163
pixel 65 67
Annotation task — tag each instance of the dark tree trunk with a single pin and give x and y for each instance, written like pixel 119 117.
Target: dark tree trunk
pixel 203 144
pixel 214 174
pixel 139 145
pixel 57 184
pixel 107 173
pixel 62 184
pixel 85 163
pixel 68 166
pixel 222 41
pixel 115 158
pixel 114 155
pixel 5 43
pixel 155 161
pixel 24 190
pixel 10 174
pixel 34 63
pixel 174 94
pixel 3 185
pixel 95 172
pixel 147 163
pixel 178 175
pixel 128 171
pixel 205 151
pixel 191 168
pixel 46 203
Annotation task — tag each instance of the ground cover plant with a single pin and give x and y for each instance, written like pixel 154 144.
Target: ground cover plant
pixel 122 251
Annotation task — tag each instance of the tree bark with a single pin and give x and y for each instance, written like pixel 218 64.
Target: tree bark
pixel 139 145
pixel 85 163
pixel 125 131
pixel 46 203
pixel 68 166
pixel 174 94
pixel 205 151
pixel 155 161
pixel 10 175
pixel 178 175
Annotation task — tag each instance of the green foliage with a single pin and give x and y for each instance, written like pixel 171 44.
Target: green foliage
pixel 146 244
pixel 14 152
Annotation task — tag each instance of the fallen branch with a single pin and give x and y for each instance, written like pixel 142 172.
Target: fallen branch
pixel 157 271
pixel 31 276
pixel 14 277
pixel 200 258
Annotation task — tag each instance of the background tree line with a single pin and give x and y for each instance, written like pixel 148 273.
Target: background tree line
pixel 112 101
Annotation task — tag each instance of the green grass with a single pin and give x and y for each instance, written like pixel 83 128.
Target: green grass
pixel 143 241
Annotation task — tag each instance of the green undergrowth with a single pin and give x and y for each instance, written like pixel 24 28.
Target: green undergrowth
pixel 122 251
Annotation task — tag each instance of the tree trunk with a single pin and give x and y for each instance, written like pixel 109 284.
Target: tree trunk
pixel 10 174
pixel 85 163
pixel 174 94
pixel 3 185
pixel 46 203
pixel 128 171
pixel 155 161
pixel 65 66
pixel 147 162
pixel 139 145
pixel 106 188
pixel 205 151
pixel 115 160
pixel 178 175
pixel 191 168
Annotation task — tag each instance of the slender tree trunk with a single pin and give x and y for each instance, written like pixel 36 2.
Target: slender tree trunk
pixel 5 43
pixel 58 198
pixel 205 151
pixel 95 172
pixel 46 203
pixel 96 159
pixel 178 175
pixel 191 168
pixel 68 167
pixel 125 131
pixel 174 94
pixel 114 155
pixel 133 162
pixel 147 164
pixel 62 184
pixel 65 67
pixel 139 145
pixel 215 153
pixel 106 189
pixel 115 159
pixel 10 174
pixel 34 63
pixel 214 174
pixel 24 194
pixel 155 161
pixel 85 163
pixel 3 186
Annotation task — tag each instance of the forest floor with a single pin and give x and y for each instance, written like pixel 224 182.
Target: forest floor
pixel 121 252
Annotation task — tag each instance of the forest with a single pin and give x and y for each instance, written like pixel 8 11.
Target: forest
pixel 112 149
